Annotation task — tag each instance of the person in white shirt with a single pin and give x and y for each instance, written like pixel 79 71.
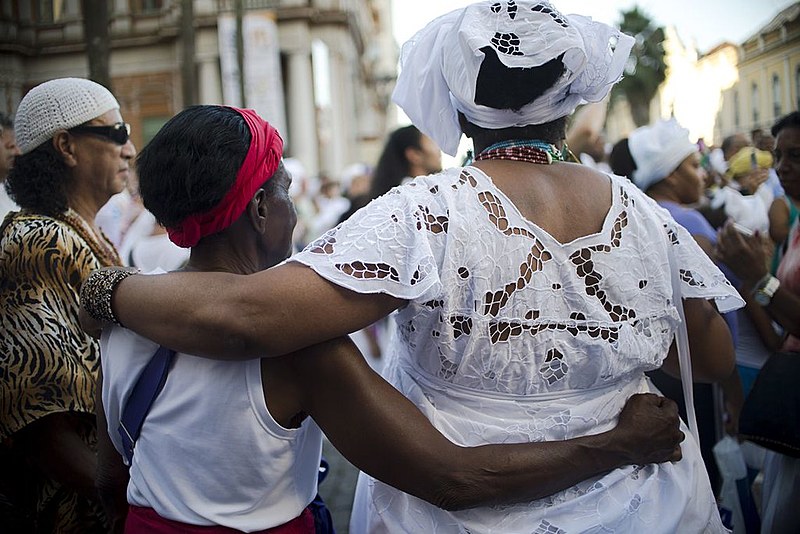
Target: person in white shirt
pixel 8 151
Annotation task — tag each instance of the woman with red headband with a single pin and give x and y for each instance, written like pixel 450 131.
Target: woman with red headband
pixel 227 446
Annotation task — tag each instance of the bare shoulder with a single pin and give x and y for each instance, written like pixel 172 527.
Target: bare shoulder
pixel 573 183
pixel 587 176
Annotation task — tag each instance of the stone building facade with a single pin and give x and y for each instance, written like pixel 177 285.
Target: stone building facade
pixel 769 77
pixel 336 64
pixel 733 88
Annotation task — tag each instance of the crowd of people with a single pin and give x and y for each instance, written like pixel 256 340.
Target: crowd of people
pixel 498 347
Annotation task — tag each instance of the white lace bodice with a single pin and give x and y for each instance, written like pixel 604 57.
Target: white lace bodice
pixel 497 304
pixel 511 336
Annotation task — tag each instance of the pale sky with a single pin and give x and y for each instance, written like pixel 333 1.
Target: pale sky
pixel 706 23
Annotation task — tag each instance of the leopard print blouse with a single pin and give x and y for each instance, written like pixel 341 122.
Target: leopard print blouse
pixel 47 363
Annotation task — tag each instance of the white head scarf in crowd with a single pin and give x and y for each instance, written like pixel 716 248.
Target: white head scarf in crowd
pixel 440 65
pixel 59 104
pixel 658 150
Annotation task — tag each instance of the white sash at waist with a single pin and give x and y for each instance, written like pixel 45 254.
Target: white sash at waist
pixel 472 417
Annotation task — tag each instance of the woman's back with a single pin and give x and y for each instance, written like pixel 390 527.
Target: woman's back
pixel 518 308
pixel 529 319
pixel 492 293
pixel 566 200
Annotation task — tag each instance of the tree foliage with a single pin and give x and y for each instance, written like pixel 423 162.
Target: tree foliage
pixel 646 68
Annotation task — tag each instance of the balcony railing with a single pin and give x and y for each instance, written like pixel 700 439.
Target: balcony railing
pixel 230 5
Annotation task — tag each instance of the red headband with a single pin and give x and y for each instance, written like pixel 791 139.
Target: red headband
pixel 260 164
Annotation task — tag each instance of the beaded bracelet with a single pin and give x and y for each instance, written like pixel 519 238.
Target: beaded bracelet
pixel 97 290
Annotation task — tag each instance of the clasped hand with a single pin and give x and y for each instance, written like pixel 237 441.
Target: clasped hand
pixel 650 428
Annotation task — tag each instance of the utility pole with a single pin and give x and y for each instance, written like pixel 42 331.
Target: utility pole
pixel 188 67
pixel 240 50
pixel 98 43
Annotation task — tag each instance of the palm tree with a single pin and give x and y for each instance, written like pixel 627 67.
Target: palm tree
pixel 646 68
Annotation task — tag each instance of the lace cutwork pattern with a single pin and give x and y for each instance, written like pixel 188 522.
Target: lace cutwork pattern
pixel 497 304
pixel 510 336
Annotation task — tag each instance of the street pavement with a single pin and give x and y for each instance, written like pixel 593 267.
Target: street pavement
pixel 338 488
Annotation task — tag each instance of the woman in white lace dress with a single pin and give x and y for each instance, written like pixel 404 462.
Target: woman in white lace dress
pixel 532 293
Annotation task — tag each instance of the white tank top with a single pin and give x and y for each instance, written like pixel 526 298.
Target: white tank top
pixel 209 452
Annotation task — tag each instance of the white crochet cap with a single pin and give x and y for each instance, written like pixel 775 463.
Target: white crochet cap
pixel 59 105
pixel 658 150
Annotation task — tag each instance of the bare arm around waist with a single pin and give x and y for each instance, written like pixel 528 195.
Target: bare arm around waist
pixel 384 434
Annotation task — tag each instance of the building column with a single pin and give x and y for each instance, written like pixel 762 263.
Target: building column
pixel 210 90
pixel 342 114
pixel 303 143
pixel 787 105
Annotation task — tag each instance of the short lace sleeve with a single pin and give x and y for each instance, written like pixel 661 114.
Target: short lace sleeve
pixel 392 246
pixel 700 277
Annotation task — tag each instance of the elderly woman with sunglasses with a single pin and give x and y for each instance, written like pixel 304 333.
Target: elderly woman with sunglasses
pixel 75 156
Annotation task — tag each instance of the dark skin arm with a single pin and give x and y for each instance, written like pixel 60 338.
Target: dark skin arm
pixel 762 321
pixel 238 323
pixel 710 344
pixel 747 258
pixel 241 320
pixel 54 444
pixel 112 473
pixel 384 434
pixel 778 220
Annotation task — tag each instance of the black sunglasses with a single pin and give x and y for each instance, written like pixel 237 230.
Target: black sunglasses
pixel 119 133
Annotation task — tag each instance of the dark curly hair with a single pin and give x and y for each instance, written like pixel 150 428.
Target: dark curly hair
pixel 393 165
pixel 621 159
pixel 39 181
pixel 792 120
pixel 191 163
pixel 5 122
pixel 502 87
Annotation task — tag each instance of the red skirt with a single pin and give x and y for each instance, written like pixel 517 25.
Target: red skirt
pixel 147 521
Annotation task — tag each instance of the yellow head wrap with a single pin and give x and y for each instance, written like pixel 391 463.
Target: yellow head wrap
pixel 742 162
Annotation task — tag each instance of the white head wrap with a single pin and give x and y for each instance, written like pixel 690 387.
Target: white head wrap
pixel 59 104
pixel 440 65
pixel 658 150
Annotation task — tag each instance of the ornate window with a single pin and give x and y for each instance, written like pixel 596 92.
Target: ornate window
pixel 737 119
pixel 146 7
pixel 754 103
pixel 776 96
pixel 47 11
pixel 797 88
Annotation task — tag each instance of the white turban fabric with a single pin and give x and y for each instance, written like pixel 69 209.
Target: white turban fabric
pixel 658 150
pixel 59 104
pixel 440 65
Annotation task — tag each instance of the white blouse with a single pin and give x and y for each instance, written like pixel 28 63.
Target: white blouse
pixel 511 336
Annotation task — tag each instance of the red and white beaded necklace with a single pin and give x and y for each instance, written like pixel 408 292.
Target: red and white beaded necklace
pixel 531 151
